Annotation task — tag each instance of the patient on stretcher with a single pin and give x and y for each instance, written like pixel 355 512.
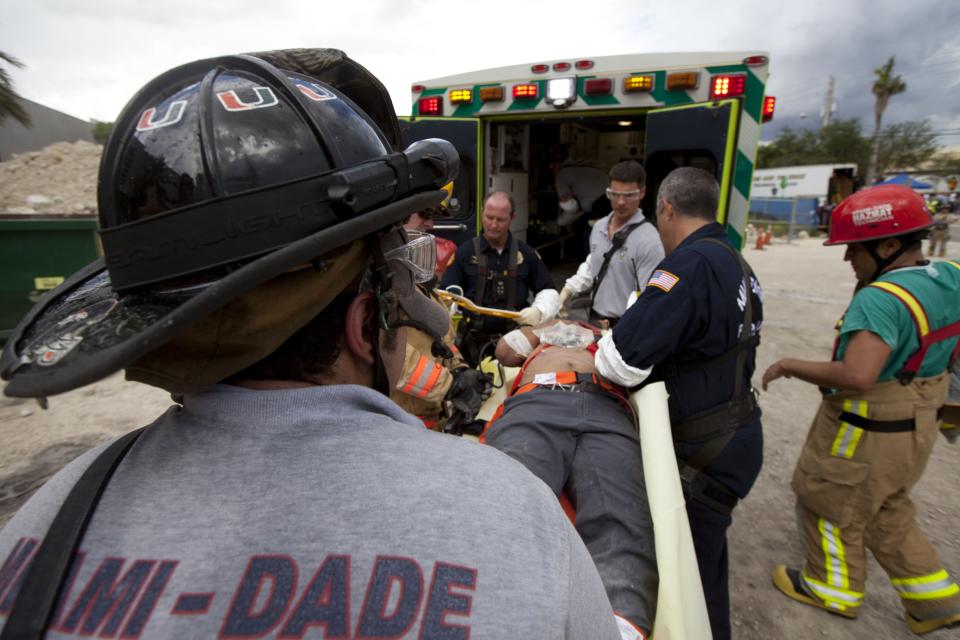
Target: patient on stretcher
pixel 577 433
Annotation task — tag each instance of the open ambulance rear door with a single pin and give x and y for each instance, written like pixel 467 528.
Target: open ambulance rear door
pixel 462 223
pixel 702 135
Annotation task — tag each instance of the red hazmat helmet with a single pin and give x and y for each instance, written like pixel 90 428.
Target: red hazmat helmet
pixel 879 212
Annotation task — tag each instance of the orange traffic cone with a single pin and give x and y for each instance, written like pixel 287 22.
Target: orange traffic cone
pixel 760 238
pixel 768 238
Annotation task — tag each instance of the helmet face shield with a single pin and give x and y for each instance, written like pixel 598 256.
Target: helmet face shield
pixel 419 254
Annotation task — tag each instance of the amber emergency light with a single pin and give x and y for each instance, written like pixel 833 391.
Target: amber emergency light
pixel 491 94
pixel 637 84
pixel 682 80
pixel 461 96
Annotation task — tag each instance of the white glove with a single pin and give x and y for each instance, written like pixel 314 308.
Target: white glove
pixel 565 294
pixel 530 315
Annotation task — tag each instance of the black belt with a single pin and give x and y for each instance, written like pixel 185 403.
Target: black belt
pixel 883 426
pixel 716 421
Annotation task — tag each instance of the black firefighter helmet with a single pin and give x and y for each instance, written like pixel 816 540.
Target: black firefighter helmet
pixel 218 176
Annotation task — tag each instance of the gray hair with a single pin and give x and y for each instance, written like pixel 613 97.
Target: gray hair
pixel 692 192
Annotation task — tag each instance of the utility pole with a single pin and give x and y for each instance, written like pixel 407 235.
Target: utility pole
pixel 829 106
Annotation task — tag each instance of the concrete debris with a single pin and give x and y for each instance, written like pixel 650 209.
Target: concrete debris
pixel 59 179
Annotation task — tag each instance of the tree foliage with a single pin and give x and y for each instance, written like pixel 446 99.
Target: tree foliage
pixel 902 146
pixel 885 86
pixel 10 101
pixel 101 131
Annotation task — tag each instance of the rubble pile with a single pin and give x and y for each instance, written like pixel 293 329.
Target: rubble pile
pixel 59 179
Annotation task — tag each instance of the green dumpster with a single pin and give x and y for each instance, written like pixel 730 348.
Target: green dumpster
pixel 37 253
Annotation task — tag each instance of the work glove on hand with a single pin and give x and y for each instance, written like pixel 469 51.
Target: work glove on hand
pixel 466 395
pixel 564 296
pixel 530 315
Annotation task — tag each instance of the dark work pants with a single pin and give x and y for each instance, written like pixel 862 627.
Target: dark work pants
pixel 586 442
pixel 736 467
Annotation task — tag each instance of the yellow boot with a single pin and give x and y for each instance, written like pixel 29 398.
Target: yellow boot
pixel 788 581
pixel 920 627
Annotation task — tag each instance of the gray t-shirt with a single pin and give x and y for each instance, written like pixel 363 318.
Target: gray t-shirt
pixel 319 512
pixel 629 268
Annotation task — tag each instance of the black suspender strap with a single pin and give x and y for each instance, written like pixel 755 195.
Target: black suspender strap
pixel 482 270
pixel 43 582
pixel 619 239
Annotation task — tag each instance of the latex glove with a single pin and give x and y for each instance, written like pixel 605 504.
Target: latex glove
pixel 530 315
pixel 565 294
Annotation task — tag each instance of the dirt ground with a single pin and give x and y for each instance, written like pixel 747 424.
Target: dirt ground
pixel 806 287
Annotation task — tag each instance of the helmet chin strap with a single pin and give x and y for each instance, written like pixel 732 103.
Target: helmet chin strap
pixel 882 263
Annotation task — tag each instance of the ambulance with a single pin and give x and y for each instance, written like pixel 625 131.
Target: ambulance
pixel 665 110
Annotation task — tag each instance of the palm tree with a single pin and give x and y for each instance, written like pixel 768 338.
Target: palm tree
pixel 885 86
pixel 9 99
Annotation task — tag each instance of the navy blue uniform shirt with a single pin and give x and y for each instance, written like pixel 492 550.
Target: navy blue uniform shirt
pixel 532 274
pixel 691 311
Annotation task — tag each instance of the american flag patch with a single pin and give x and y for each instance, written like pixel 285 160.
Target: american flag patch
pixel 663 280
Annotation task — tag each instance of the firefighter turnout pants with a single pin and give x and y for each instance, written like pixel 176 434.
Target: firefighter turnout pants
pixel 586 442
pixel 863 455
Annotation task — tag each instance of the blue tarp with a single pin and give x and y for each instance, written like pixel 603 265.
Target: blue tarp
pixel 904 179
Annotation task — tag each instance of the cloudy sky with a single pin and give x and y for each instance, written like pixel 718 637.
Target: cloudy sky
pixel 87 58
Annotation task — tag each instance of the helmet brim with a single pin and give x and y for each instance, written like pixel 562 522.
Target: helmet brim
pixel 833 243
pixel 84 330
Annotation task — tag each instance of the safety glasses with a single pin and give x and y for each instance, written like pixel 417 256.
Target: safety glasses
pixel 419 254
pixel 626 195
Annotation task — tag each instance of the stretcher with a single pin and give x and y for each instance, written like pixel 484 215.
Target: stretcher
pixel 681 607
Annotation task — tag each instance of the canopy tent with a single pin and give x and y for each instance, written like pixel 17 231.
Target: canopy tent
pixel 904 179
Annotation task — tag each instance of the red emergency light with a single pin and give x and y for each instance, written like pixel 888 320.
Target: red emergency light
pixel 583 64
pixel 755 61
pixel 417 88
pixel 540 68
pixel 769 104
pixel 430 106
pixel 561 66
pixel 728 86
pixel 525 91
pixel 597 86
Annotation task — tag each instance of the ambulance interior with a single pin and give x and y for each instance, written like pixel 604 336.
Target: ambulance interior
pixel 518 159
